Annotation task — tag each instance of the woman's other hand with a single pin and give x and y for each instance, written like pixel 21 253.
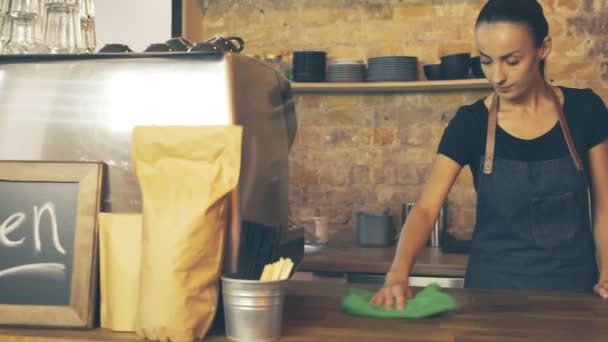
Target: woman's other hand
pixel 601 288
pixel 395 292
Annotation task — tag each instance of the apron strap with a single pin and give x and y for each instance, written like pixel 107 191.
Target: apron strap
pixel 488 162
pixel 491 134
pixel 566 132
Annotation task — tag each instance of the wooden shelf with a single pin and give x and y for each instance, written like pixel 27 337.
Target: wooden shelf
pixel 379 87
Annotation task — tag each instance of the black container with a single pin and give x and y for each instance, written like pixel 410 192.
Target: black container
pixel 179 44
pixel 432 72
pixel 309 66
pixel 451 244
pixel 115 48
pixel 456 66
pixel 375 230
pixel 158 47
pixel 476 69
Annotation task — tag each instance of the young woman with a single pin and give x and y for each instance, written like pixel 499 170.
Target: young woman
pixel 539 158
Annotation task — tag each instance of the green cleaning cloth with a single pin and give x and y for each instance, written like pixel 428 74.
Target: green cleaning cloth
pixel 429 301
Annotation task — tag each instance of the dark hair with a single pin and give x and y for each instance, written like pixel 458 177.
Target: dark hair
pixel 525 12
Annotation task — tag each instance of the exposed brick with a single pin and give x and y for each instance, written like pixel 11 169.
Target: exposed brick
pixel 303 175
pixel 572 49
pixel 595 5
pixel 384 194
pixel 371 99
pixel 301 215
pixel 590 24
pixel 413 11
pixel 450 9
pixel 342 157
pixel 323 195
pixel 365 136
pixel 339 117
pixel 386 173
pixel 378 12
pixel 349 101
pixel 577 70
pixel 373 150
pixel 310 136
pixel 419 135
pixel 349 14
pixel 341 136
pixel 296 196
pixel 307 102
pixel 417 155
pixel 337 215
pixel 360 174
pixel 599 48
pixel 331 175
pixel 385 116
pixel 346 51
pixel 301 156
pixel 388 195
pixel 383 136
pixel 412 174
pixel 314 16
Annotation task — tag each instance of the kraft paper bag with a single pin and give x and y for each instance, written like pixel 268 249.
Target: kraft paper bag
pixel 186 175
pixel 119 265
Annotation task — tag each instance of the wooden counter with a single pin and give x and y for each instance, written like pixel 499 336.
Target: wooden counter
pixel 349 257
pixel 312 314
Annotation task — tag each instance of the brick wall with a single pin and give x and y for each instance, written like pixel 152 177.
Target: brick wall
pixel 370 151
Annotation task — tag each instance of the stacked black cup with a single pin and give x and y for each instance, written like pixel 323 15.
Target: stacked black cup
pixel 309 66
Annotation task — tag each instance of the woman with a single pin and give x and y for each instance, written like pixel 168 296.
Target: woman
pixel 536 152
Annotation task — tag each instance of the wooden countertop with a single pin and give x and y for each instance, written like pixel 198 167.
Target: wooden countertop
pixel 348 257
pixel 312 314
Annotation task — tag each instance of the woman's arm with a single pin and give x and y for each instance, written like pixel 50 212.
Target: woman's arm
pixel 420 221
pixel 416 231
pixel 598 160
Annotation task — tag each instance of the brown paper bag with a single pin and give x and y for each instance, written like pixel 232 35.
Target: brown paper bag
pixel 119 265
pixel 185 175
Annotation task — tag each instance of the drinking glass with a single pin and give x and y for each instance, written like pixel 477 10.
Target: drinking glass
pixel 62 32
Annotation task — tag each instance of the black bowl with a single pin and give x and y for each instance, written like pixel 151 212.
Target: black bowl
pixel 158 47
pixel 476 67
pixel 179 44
pixel 456 66
pixel 432 71
pixel 115 48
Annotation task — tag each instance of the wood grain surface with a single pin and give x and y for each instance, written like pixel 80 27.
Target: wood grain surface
pixel 312 314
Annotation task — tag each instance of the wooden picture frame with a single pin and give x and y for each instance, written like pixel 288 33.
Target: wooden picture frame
pixel 80 311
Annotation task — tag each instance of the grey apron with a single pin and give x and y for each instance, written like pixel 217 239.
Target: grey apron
pixel 533 229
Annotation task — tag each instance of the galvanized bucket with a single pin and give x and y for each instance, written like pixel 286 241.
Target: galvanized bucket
pixel 253 309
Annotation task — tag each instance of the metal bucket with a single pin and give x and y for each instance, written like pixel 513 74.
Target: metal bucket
pixel 253 310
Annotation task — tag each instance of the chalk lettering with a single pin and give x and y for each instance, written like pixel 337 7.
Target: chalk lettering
pixel 54 270
pixel 8 226
pixel 15 220
pixel 50 209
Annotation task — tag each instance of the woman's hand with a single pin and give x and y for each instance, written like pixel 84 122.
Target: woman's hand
pixel 396 290
pixel 601 288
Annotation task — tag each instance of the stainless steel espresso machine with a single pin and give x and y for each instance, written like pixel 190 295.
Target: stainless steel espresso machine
pixel 83 107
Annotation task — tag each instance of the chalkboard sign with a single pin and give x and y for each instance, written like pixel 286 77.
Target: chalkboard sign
pixel 48 218
pixel 37 242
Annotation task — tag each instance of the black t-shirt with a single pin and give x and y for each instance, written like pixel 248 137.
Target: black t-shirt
pixel 464 139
